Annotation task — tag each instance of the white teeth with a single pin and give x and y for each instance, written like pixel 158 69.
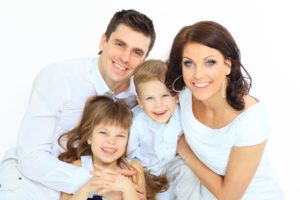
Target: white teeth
pixel 120 67
pixel 109 150
pixel 201 84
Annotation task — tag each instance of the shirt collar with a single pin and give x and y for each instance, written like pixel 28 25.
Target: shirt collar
pixel 101 86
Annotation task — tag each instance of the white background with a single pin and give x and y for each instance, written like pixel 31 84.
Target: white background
pixel 36 33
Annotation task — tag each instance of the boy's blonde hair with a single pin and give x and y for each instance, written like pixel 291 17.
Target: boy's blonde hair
pixel 148 71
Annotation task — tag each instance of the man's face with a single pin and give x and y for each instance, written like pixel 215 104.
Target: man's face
pixel 125 50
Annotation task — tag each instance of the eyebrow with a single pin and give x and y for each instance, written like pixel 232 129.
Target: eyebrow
pixel 135 48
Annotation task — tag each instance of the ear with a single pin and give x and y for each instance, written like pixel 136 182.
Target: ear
pixel 228 64
pixel 102 42
pixel 139 101
pixel 89 141
pixel 176 98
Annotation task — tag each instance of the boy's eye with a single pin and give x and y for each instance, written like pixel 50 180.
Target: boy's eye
pixel 166 95
pixel 121 136
pixel 149 98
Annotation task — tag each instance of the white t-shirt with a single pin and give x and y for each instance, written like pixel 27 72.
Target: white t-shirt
pixel 153 144
pixel 213 146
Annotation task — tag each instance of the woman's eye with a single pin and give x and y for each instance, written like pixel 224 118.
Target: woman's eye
pixel 211 62
pixel 187 63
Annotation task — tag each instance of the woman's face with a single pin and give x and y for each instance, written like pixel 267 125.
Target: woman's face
pixel 204 71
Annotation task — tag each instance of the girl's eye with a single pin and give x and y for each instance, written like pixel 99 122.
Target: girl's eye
pixel 166 95
pixel 211 62
pixel 102 132
pixel 121 136
pixel 187 63
pixel 149 98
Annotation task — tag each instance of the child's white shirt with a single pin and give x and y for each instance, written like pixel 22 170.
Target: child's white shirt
pixel 152 143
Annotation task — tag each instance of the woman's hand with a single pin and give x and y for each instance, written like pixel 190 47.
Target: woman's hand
pixel 183 148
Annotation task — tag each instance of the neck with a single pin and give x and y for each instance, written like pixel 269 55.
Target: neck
pixel 99 164
pixel 213 113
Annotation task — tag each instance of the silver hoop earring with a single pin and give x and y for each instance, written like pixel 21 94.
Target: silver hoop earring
pixel 173 88
pixel 222 91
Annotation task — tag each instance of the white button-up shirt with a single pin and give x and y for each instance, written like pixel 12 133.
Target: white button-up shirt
pixel 152 143
pixel 58 97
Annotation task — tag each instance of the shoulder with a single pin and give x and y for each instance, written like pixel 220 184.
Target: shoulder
pixel 253 125
pixel 139 177
pixel 137 166
pixel 66 67
pixel 77 163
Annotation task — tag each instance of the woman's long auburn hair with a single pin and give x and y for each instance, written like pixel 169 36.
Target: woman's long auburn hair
pixel 97 110
pixel 215 36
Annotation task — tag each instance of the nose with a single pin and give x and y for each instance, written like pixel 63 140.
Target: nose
pixel 125 55
pixel 111 140
pixel 198 72
pixel 158 103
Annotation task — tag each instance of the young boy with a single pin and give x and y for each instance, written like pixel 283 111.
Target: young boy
pixel 155 131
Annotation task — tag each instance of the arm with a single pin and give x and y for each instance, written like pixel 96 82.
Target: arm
pixel 241 168
pixel 37 135
pixel 139 180
pixel 136 189
pixel 133 141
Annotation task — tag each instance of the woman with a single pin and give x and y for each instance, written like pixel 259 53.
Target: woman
pixel 225 128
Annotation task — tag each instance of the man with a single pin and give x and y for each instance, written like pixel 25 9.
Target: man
pixel 32 171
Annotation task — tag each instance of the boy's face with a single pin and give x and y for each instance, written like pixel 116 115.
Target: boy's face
pixel 125 50
pixel 156 100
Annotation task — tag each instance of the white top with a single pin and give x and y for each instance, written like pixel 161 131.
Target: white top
pixel 213 146
pixel 153 144
pixel 55 106
pixel 87 163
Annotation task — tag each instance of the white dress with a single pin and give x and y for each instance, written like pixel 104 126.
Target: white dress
pixel 213 146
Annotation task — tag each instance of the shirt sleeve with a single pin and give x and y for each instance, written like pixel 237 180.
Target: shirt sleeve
pixel 37 134
pixel 253 127
pixel 134 141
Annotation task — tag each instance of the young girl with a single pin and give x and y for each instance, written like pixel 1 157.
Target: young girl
pixel 99 142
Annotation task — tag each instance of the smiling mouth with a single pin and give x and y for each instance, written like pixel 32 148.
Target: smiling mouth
pixel 201 85
pixel 119 67
pixel 160 113
pixel 109 150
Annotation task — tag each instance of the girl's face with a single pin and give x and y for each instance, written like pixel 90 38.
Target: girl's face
pixel 108 144
pixel 204 71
